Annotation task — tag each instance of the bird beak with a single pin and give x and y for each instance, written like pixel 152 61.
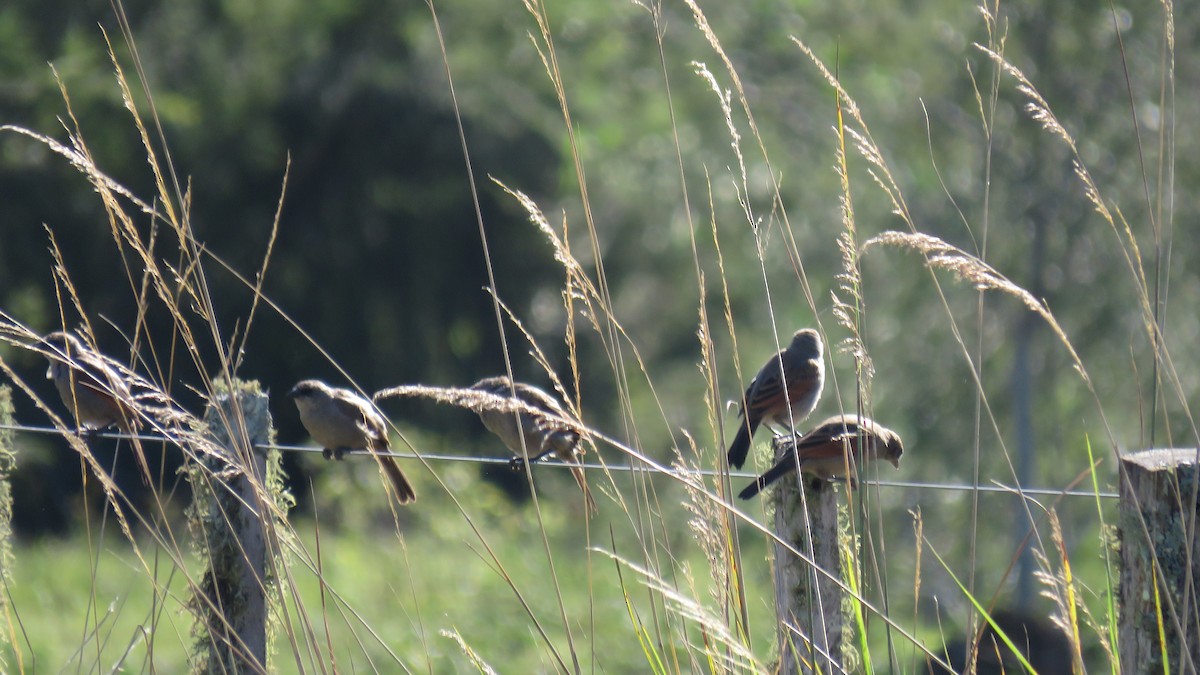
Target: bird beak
pixel 294 392
pixel 895 462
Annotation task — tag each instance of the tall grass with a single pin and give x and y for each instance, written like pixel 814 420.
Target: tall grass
pixel 670 576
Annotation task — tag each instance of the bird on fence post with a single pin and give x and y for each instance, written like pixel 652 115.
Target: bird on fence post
pixel 542 434
pixel 785 391
pixel 95 392
pixel 340 421
pixel 833 451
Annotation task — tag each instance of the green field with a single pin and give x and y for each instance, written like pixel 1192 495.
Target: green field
pixel 632 204
pixel 389 599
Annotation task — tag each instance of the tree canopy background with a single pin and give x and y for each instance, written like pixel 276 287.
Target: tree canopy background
pixel 379 255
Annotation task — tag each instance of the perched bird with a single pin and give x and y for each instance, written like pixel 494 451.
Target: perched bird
pixel 791 380
pixel 95 392
pixel 341 420
pixel 542 435
pixel 823 451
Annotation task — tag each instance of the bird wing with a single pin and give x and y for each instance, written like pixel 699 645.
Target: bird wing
pixel 805 377
pixel 92 373
pixel 557 431
pixel 836 427
pixel 357 409
pixel 766 386
pixel 830 437
pixel 825 448
pixel 536 398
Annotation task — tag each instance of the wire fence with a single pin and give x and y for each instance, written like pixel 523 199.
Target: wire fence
pixel 995 488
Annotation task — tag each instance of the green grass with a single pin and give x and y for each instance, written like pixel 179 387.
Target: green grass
pixel 407 589
pixel 56 614
pixel 538 591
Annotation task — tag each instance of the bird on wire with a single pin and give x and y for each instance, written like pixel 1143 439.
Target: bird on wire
pixel 541 435
pixel 340 421
pixel 94 391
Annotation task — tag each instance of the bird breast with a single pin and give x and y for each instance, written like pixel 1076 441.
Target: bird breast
pixel 330 428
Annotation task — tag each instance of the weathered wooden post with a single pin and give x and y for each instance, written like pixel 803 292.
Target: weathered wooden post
pixel 1159 573
pixel 808 604
pixel 8 461
pixel 232 507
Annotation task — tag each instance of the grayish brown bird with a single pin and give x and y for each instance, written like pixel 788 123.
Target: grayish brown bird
pixel 790 381
pixel 834 450
pixel 93 390
pixel 95 393
pixel 341 420
pixel 543 435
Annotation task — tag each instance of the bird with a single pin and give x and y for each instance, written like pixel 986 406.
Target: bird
pixel 822 451
pixel 341 420
pixel 97 395
pixel 790 381
pixel 94 391
pixel 542 435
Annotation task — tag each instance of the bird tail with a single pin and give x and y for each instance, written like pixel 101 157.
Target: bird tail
pixel 139 453
pixel 577 472
pixel 741 444
pixel 129 424
pixel 404 491
pixel 784 466
pixel 128 421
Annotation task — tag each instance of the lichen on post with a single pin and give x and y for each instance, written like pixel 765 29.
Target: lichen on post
pixel 238 498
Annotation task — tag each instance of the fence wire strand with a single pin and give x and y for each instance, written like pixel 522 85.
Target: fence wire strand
pixel 995 488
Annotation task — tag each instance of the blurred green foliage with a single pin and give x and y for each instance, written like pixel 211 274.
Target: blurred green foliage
pixel 380 260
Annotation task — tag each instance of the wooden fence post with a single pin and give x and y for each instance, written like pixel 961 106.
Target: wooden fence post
pixel 1158 488
pixel 808 604
pixel 232 506
pixel 8 462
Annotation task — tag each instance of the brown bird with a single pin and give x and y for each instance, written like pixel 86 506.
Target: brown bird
pixel 790 381
pixel 94 391
pixel 823 451
pixel 341 420
pixel 542 436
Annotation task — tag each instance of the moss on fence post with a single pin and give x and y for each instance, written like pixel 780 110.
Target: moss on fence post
pixel 237 497
pixel 8 462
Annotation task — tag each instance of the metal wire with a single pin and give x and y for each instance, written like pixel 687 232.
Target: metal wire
pixel 435 457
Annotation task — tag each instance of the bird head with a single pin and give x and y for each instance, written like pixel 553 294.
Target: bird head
pixel 893 448
pixel 61 342
pixel 59 348
pixel 807 340
pixel 307 388
pixel 496 385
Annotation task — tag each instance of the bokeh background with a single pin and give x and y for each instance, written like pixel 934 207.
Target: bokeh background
pixel 379 254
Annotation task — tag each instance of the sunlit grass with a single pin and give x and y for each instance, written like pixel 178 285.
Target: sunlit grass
pixel 664 577
pixel 64 618
pixel 407 589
